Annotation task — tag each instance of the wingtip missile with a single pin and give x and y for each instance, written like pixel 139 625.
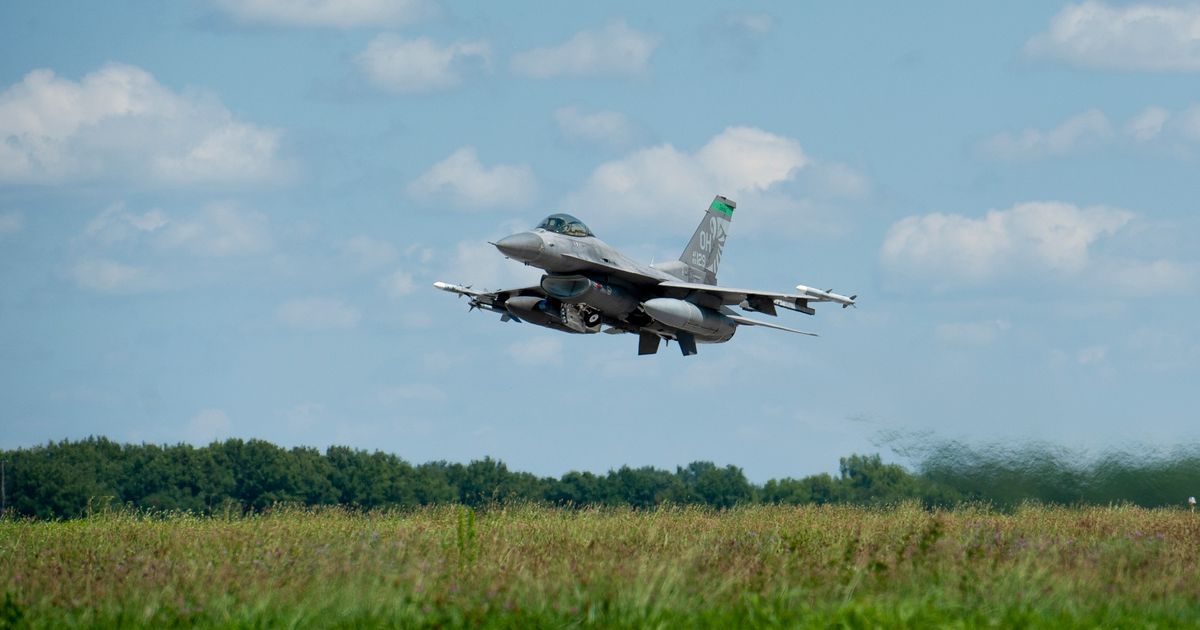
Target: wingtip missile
pixel 452 288
pixel 827 295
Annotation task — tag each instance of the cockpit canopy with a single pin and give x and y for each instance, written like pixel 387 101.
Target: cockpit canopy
pixel 564 224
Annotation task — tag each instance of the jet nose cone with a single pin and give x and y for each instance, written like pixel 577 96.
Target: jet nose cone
pixel 524 247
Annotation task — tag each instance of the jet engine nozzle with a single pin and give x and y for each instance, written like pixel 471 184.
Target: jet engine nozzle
pixel 525 246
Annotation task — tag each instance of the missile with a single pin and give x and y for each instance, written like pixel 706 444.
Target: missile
pixel 455 288
pixel 825 295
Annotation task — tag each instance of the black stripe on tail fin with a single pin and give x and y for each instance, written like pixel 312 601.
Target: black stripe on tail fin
pixel 703 253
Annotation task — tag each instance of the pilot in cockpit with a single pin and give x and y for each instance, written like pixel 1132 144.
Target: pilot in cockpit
pixel 564 224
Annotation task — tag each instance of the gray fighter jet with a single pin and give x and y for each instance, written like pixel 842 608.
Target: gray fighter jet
pixel 591 287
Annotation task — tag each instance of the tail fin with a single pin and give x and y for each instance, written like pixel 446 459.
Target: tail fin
pixel 703 253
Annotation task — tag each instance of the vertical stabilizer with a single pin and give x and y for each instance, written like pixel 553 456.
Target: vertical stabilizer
pixel 703 253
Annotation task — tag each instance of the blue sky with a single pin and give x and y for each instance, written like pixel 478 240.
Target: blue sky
pixel 224 219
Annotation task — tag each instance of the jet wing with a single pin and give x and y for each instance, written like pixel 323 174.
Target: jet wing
pixel 760 301
pixel 746 321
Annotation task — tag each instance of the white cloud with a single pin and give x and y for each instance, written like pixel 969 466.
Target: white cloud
pixel 537 351
pixel 11 223
pixel 1078 132
pixel 607 127
pixel 971 333
pixel 219 230
pixel 1156 128
pixel 413 66
pixel 369 253
pixel 469 185
pixel 119 123
pixel 115 224
pixel 949 250
pixel 1147 125
pixel 318 314
pixel 399 284
pixel 670 187
pixel 327 13
pixel 207 426
pixel 1138 37
pixel 614 51
pixel 1093 354
pixel 107 276
pixel 1160 277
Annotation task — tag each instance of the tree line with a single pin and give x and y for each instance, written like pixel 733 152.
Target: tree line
pixel 64 479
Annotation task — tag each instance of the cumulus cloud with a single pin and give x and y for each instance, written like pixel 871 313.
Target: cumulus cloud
pixel 608 127
pixel 413 66
pixel 1079 132
pixel 107 276
pixel 537 351
pixel 1155 128
pixel 318 314
pixel 1138 38
pixel 1172 130
pixel 971 333
pixel 612 52
pixel 1147 125
pixel 467 184
pixel 327 13
pixel 115 224
pixel 1159 277
pixel 11 223
pixel 219 230
pixel 119 123
pixel 207 426
pixel 668 186
pixel 952 250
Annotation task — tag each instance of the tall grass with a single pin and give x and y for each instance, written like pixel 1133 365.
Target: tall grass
pixel 529 566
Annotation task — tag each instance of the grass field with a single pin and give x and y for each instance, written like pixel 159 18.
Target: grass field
pixel 528 566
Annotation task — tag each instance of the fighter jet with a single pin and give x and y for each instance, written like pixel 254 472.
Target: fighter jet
pixel 591 287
